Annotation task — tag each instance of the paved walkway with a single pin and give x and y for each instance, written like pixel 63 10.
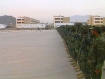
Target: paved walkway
pixel 34 55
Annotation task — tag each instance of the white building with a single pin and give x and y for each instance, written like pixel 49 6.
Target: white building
pixel 3 26
pixel 58 19
pixel 31 26
pixel 26 20
pixel 96 20
pixel 60 24
pixel 61 19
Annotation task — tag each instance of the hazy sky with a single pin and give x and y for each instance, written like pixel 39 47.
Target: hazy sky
pixel 44 10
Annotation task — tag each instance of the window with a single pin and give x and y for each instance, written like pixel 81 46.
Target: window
pixel 57 21
pixel 18 19
pixel 101 21
pixel 18 22
pixel 97 18
pixel 97 21
pixel 57 18
pixel 101 18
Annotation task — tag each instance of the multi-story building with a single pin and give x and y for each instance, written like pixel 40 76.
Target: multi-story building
pixel 31 25
pixel 96 20
pixel 104 21
pixel 61 19
pixel 66 19
pixel 26 20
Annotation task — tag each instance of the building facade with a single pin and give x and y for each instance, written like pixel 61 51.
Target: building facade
pixel 26 20
pixel 61 19
pixel 104 21
pixel 31 25
pixel 60 24
pixel 96 20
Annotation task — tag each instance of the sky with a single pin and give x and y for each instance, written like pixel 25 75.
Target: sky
pixel 44 10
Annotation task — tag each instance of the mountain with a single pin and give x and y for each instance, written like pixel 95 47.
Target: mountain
pixel 79 18
pixel 8 20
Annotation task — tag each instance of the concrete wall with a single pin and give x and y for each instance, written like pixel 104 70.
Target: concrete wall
pixel 60 24
pixel 26 20
pixel 31 26
pixel 66 19
pixel 104 21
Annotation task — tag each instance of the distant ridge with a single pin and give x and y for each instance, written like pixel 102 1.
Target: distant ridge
pixel 7 20
pixel 79 18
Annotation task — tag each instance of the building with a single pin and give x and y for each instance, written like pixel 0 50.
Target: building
pixel 31 25
pixel 96 20
pixel 10 21
pixel 61 19
pixel 3 26
pixel 26 20
pixel 83 23
pixel 66 19
pixel 60 24
pixel 104 21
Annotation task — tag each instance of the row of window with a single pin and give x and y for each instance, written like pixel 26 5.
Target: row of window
pixel 31 25
pixel 31 22
pixel 98 18
pixel 58 21
pixel 58 18
pixel 20 19
pixel 98 22
pixel 20 22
